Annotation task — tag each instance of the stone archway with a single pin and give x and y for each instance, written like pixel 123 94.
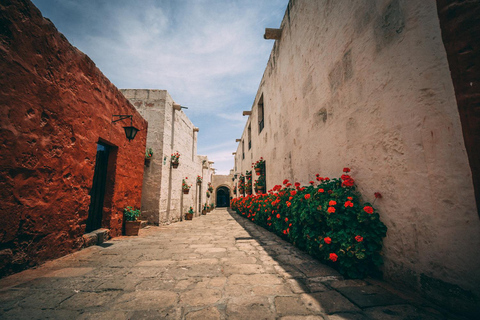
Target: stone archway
pixel 223 197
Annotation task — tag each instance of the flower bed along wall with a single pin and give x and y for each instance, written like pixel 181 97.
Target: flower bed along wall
pixel 327 220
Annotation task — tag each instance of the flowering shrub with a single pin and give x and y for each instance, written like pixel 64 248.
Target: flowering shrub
pixel 327 219
pixel 241 184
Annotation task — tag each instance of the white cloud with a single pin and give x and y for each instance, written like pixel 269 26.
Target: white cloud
pixel 209 54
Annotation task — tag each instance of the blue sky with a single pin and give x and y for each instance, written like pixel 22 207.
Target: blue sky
pixel 209 54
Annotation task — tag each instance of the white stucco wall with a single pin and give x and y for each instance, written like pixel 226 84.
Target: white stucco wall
pixel 162 198
pixel 366 85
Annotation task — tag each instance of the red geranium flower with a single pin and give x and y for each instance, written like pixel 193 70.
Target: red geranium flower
pixel 278 215
pixel 332 203
pixel 289 203
pixel 327 240
pixel 368 209
pixel 346 169
pixel 359 238
pixel 286 219
pixel 333 257
pixel 378 195
pixel 348 204
pixel 289 184
pixel 293 192
pixel 331 209
pixel 307 196
pixel 321 190
pixel 297 184
pixel 284 231
pixel 350 198
pixel 285 181
pixel 312 182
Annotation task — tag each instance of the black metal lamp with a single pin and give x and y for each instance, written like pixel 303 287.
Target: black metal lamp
pixel 130 131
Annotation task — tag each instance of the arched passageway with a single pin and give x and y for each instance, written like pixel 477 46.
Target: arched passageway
pixel 223 197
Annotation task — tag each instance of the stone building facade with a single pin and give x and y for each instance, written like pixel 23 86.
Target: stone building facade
pixel 170 131
pixel 367 85
pixel 223 189
pixel 56 112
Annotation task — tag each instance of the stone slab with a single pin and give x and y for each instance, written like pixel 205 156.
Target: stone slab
pixel 370 296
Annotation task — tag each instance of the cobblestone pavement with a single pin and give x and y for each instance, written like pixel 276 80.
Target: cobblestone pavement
pixel 218 266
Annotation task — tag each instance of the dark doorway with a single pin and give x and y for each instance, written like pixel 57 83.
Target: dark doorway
pixel 459 21
pixel 97 193
pixel 223 197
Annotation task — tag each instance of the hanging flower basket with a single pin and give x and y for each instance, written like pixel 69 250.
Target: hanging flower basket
pixel 258 171
pixel 175 160
pixel 186 191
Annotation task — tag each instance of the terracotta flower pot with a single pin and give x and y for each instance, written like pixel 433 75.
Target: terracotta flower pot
pixel 258 171
pixel 175 165
pixel 188 216
pixel 186 191
pixel 132 227
pixel 204 212
pixel 260 189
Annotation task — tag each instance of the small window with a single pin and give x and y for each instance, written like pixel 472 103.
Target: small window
pixel 261 116
pixel 243 149
pixel 249 136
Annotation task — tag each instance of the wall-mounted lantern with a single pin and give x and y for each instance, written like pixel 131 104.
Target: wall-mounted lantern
pixel 130 131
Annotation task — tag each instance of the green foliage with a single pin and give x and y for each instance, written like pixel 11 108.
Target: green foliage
pixel 329 221
pixel 131 214
pixel 190 210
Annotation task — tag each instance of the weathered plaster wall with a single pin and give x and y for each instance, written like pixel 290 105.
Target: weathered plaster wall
pixel 163 200
pixel 55 105
pixel 366 84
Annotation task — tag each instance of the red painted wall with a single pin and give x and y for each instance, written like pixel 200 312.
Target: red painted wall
pixel 55 105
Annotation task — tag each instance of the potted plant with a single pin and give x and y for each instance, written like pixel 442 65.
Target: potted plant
pixel 259 166
pixel 148 153
pixel 260 184
pixel 204 210
pixel 210 187
pixel 132 224
pixel 212 207
pixel 248 185
pixel 241 184
pixel 208 194
pixel 175 160
pixel 185 186
pixel 199 180
pixel 189 214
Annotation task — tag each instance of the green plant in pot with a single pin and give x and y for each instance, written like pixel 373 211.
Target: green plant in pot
pixel 132 224
pixel 148 154
pixel 212 207
pixel 204 210
pixel 189 214
pixel 260 184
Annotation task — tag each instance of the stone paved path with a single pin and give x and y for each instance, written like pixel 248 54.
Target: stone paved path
pixel 218 266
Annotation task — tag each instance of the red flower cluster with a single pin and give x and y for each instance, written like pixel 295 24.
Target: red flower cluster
pixel 333 257
pixel 348 204
pixel 307 196
pixel 377 195
pixel 347 180
pixel 368 209
pixel 359 238
pixel 327 240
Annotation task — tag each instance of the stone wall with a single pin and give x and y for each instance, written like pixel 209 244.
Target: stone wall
pixel 55 105
pixel 367 85
pixel 163 200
